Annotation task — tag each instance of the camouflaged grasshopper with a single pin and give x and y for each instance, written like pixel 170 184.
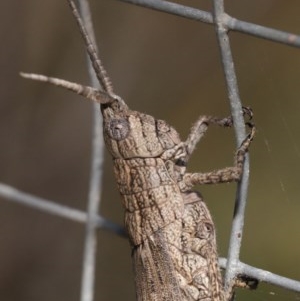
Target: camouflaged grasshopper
pixel 169 226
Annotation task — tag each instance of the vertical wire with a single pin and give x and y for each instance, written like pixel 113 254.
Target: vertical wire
pixel 239 126
pixel 96 173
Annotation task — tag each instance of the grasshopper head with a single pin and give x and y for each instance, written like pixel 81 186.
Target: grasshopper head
pixel 130 134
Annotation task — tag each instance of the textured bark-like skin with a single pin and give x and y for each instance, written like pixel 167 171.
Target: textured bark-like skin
pixel 169 226
pixel 170 229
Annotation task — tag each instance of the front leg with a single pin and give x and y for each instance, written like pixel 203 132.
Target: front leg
pixel 228 174
pixel 201 125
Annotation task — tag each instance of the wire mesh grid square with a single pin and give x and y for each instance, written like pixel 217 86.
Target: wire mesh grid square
pixel 223 23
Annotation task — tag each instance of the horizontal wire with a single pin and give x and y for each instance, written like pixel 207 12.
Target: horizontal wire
pixel 230 22
pixel 263 275
pixel 15 195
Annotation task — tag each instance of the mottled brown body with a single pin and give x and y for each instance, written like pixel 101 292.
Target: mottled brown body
pixel 169 226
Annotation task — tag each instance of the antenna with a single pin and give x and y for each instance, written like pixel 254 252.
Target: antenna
pixel 86 91
pixel 104 96
pixel 101 73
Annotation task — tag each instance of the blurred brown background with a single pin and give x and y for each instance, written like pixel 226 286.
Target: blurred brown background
pixel 166 66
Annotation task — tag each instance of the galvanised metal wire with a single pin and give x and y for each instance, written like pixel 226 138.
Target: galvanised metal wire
pixel 233 266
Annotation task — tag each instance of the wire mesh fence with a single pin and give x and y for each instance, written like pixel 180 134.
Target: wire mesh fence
pixel 223 23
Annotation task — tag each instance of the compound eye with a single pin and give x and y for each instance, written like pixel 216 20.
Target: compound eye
pixel 205 230
pixel 118 129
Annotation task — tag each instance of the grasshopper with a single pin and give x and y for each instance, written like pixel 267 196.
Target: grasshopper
pixel 169 226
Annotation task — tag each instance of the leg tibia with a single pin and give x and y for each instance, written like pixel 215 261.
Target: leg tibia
pixel 228 174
